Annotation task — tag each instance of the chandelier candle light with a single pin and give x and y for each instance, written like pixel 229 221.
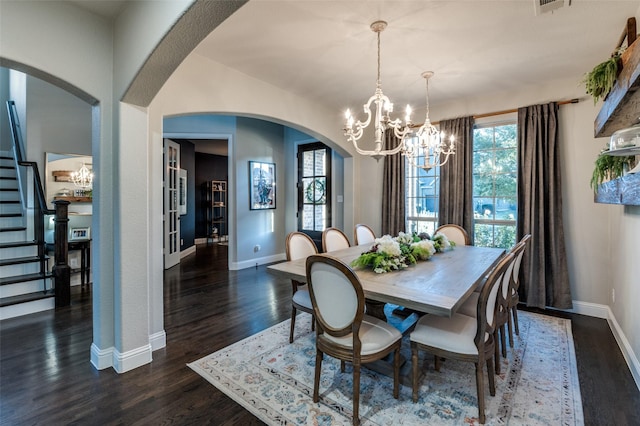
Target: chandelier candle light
pixel 426 148
pixel 83 178
pixel 383 122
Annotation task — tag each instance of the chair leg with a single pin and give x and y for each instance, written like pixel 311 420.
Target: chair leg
pixel 293 324
pixel 480 391
pixel 503 341
pixel 436 363
pixel 396 373
pixel 496 350
pixel 514 311
pixel 492 379
pixel 313 323
pixel 510 327
pixel 356 393
pixel 416 371
pixel 316 381
pixel 342 366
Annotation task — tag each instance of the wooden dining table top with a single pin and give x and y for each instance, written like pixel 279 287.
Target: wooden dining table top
pixel 437 286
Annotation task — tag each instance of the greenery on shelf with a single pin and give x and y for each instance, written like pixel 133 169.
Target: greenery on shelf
pixel 608 167
pixel 602 77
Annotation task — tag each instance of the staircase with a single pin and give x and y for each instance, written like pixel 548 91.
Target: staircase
pixel 26 286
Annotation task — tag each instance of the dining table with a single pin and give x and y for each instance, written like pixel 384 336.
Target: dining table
pixel 437 286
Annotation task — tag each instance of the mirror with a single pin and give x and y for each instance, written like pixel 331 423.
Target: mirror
pixel 59 184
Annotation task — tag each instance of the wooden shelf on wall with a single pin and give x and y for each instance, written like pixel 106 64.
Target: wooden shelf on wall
pixel 620 108
pixel 624 190
pixel 61 175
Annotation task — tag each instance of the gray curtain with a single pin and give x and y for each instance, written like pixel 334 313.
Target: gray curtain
pixel 456 187
pixel 544 267
pixel 393 185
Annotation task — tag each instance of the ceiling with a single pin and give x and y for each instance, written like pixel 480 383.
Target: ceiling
pixel 326 51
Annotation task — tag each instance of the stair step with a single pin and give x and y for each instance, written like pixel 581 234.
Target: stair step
pixel 10 214
pixel 8 189
pixel 21 260
pixel 18 244
pixel 24 278
pixel 13 229
pixel 8 178
pixel 9 201
pixel 24 298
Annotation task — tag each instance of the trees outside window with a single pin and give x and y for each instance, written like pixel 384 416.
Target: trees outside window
pixel 495 185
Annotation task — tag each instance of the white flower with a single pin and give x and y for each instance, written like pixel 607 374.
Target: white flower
pixel 424 249
pixel 404 238
pixel 387 245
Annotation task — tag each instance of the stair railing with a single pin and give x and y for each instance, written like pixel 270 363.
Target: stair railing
pixel 27 171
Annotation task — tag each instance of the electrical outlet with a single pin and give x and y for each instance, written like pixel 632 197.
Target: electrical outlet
pixel 73 263
pixel 181 241
pixel 613 295
pixel 256 248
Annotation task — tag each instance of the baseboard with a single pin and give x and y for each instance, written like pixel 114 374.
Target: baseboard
pixel 101 358
pixel 605 312
pixel 235 266
pixel 589 309
pixel 158 340
pixel 126 361
pixel 625 347
pixel 186 252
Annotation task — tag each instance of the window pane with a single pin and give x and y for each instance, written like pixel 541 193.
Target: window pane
pixel 422 192
pixel 308 217
pixel 495 185
pixel 320 217
pixel 320 167
pixel 307 165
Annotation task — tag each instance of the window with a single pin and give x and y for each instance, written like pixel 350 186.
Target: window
pixel 314 185
pixel 422 193
pixel 495 185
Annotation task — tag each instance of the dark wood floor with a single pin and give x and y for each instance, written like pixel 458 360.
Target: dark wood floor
pixel 46 376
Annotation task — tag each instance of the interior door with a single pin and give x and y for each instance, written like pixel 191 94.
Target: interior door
pixel 171 203
pixel 314 190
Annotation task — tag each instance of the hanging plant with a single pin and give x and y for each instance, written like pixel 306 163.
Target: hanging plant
pixel 608 167
pixel 601 79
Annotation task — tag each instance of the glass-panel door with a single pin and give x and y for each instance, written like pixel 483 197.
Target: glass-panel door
pixel 314 190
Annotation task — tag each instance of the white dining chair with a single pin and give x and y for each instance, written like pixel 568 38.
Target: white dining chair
pixel 343 330
pixel 514 296
pixel 334 239
pixel 463 337
pixel 299 245
pixel 363 234
pixel 455 233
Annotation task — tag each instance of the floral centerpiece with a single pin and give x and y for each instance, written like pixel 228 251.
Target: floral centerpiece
pixel 393 253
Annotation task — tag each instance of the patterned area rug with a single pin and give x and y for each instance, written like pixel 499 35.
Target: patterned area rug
pixel 274 380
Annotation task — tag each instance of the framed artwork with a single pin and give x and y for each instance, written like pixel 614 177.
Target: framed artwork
pixel 262 185
pixel 79 234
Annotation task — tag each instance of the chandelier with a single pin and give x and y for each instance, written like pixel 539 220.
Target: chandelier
pixel 83 178
pixel 426 148
pixel 382 122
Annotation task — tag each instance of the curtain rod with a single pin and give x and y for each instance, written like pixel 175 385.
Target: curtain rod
pixel 506 111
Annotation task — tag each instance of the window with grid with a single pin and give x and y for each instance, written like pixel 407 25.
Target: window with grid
pixel 422 194
pixel 495 185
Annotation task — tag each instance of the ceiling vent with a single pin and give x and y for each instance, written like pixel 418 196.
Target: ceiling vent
pixel 544 6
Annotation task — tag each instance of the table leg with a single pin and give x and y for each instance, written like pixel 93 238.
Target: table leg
pixel 82 261
pixel 376 309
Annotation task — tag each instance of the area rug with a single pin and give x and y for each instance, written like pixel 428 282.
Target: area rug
pixel 274 380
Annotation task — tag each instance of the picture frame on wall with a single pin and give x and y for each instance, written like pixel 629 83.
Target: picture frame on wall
pixel 262 185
